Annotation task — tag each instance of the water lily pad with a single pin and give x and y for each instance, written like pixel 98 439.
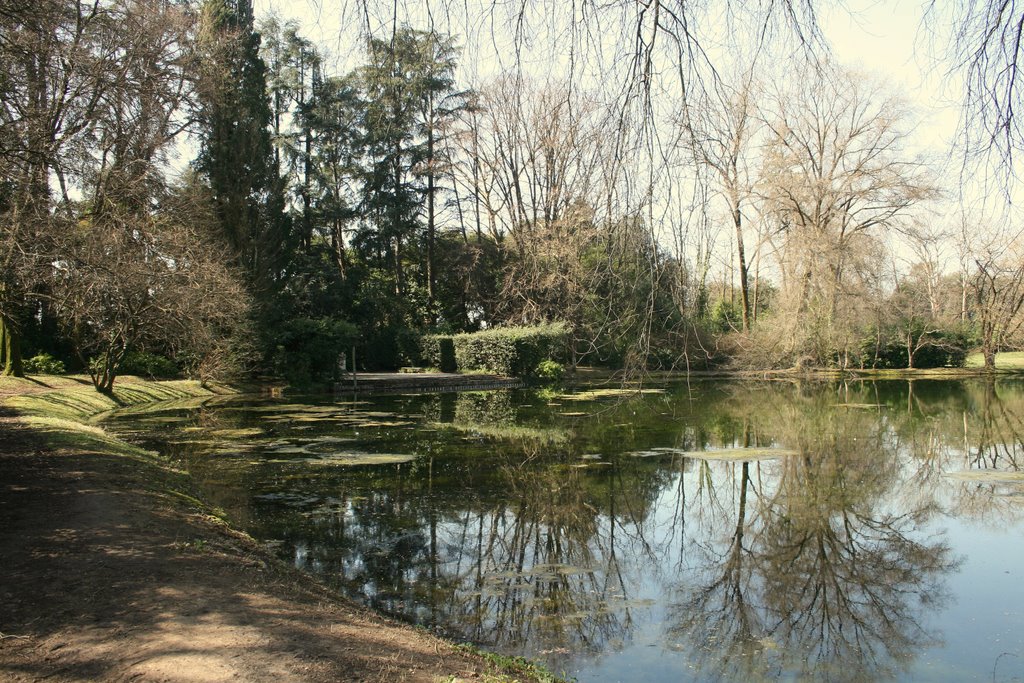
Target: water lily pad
pixel 289 450
pixel 384 423
pixel 644 454
pixel 560 569
pixel 741 454
pixel 287 498
pixel 510 433
pixel 595 394
pixel 237 433
pixel 735 454
pixel 350 458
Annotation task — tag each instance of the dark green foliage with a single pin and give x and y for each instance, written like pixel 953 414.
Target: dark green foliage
pixel 471 281
pixel 511 351
pixel 726 316
pixel 549 371
pixel 44 364
pixel 236 157
pixel 890 349
pixel 388 321
pixel 438 351
pixel 149 365
pixel 309 349
pixel 43 336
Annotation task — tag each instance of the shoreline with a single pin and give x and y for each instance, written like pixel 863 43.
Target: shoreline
pixel 116 571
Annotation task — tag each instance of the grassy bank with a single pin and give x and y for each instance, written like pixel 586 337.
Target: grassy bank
pixel 63 410
pixel 1007 360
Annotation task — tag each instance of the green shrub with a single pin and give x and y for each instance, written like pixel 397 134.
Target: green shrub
pixel 308 349
pixel 943 348
pixel 549 371
pixel 438 351
pixel 44 364
pixel 512 351
pixel 149 365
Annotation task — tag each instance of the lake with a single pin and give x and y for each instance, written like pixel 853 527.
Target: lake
pixel 701 531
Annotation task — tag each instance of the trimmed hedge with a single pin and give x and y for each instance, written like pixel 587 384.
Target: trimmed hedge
pixel 510 351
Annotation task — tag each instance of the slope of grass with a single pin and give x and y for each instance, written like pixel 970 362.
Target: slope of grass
pixel 70 398
pixel 64 409
pixel 1007 360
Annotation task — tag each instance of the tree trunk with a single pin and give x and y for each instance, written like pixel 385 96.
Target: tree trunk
pixel 963 299
pixel 399 279
pixel 741 264
pixel 338 242
pixel 10 349
pixel 307 200
pixel 430 222
pixel 397 223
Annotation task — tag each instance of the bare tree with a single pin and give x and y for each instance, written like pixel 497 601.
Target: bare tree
pixel 54 76
pixel 986 47
pixel 835 180
pixel 540 148
pixel 997 293
pixel 720 131
pixel 88 90
pixel 130 280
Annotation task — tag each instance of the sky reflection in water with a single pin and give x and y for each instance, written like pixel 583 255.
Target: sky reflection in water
pixel 755 531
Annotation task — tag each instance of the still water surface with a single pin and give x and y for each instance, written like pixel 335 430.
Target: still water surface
pixel 692 532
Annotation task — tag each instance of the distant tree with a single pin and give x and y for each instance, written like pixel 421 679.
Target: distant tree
pixel 997 289
pixel 334 119
pixel 130 278
pixel 720 131
pixel 986 46
pixel 53 80
pixel 440 104
pixel 237 155
pixel 835 181
pixel 294 74
pixel 91 95
pixel 409 100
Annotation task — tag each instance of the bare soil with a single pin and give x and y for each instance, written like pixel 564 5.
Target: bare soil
pixel 106 575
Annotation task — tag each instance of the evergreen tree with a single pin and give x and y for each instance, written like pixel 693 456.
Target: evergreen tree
pixel 333 119
pixel 392 190
pixel 410 102
pixel 237 154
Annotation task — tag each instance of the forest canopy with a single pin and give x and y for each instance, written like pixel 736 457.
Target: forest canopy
pixel 190 187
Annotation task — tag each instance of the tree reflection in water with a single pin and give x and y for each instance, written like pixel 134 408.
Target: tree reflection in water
pixel 818 577
pixel 561 531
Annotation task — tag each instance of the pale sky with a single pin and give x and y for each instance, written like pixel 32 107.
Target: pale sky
pixel 884 37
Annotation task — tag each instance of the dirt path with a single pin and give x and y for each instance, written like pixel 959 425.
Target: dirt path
pixel 105 577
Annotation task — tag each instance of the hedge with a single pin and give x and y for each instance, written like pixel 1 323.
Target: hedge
pixel 511 351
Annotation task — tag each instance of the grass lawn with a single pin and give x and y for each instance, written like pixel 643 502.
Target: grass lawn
pixel 1008 360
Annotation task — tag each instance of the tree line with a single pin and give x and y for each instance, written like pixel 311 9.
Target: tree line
pixel 188 189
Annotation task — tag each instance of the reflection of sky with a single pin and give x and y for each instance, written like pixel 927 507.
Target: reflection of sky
pixel 677 543
pixel 986 618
